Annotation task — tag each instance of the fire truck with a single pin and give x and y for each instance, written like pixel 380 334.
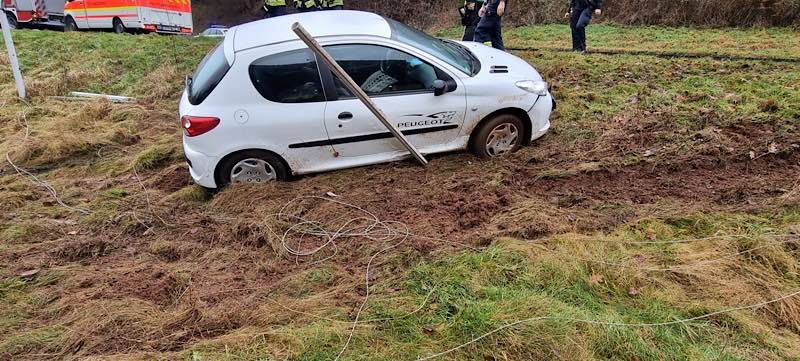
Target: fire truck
pixel 162 16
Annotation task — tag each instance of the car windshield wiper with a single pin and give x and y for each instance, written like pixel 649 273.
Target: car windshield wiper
pixel 473 61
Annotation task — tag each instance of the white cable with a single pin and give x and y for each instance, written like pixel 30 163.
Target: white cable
pixel 368 226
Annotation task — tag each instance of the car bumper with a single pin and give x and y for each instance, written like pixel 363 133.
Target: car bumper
pixel 201 167
pixel 540 115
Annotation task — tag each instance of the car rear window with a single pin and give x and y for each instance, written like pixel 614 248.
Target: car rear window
pixel 291 77
pixel 210 72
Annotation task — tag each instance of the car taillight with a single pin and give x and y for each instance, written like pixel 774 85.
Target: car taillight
pixel 194 126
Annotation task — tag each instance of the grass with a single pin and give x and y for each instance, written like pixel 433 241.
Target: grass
pixel 775 42
pixel 162 270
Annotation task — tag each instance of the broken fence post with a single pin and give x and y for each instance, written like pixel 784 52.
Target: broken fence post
pixel 355 89
pixel 12 55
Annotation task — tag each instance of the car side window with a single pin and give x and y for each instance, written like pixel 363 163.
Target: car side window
pixel 381 70
pixel 290 77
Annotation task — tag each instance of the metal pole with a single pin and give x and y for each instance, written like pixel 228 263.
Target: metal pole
pixel 12 55
pixel 355 89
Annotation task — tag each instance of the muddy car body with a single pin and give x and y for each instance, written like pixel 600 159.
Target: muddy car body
pixel 260 106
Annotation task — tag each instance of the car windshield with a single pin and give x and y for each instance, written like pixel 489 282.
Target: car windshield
pixel 450 52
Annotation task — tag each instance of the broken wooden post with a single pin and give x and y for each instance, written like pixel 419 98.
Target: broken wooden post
pixel 355 89
pixel 12 55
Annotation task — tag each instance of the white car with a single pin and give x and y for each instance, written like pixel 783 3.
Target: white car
pixel 260 107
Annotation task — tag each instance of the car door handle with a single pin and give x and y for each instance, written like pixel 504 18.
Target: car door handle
pixel 345 115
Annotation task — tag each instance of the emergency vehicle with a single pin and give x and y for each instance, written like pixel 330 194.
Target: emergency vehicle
pixel 163 16
pixel 33 12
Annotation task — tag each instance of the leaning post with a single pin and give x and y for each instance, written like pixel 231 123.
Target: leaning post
pixel 12 55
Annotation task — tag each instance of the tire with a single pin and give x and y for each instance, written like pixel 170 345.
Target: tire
pixel 12 21
pixel 70 25
pixel 498 137
pixel 231 168
pixel 118 26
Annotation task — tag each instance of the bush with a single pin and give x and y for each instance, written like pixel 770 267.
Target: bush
pixel 437 14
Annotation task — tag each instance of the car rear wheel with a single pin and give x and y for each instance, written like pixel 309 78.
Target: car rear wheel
pixel 119 27
pixel 12 21
pixel 251 167
pixel 500 136
pixel 70 25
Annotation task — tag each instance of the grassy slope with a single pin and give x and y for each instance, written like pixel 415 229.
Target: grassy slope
pixel 777 42
pixel 618 115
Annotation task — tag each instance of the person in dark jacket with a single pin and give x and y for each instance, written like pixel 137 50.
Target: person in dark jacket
pixel 470 18
pixel 490 26
pixel 580 15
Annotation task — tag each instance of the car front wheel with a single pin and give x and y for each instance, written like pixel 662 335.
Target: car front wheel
pixel 500 136
pixel 70 25
pixel 251 166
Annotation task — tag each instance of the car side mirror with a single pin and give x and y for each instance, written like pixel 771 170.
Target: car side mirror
pixel 439 87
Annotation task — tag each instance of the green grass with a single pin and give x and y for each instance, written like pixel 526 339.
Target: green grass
pixel 777 42
pixel 473 293
pixel 105 62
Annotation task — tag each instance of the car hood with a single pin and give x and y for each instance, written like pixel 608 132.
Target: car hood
pixel 500 63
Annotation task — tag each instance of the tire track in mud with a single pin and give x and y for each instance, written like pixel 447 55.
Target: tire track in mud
pixel 711 184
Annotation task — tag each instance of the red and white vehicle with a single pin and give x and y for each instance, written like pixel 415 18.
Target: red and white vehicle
pixel 163 16
pixel 33 12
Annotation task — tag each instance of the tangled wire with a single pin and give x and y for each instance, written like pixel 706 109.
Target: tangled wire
pixel 367 226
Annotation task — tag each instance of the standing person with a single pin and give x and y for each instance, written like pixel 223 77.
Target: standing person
pixel 332 4
pixel 580 15
pixel 275 8
pixel 490 26
pixel 305 6
pixel 470 18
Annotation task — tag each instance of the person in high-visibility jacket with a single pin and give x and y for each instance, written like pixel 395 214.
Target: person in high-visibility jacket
pixel 275 8
pixel 470 18
pixel 307 5
pixel 332 4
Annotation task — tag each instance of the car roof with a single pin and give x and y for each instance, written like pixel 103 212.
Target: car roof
pixel 318 23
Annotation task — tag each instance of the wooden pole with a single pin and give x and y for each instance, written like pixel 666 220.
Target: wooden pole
pixel 355 89
pixel 12 55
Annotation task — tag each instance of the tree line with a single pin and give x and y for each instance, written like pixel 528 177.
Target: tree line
pixel 437 14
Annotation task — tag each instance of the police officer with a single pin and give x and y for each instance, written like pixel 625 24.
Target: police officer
pixel 332 4
pixel 489 27
pixel 275 8
pixel 305 6
pixel 470 18
pixel 580 15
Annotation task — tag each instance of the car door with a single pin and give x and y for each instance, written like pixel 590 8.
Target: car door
pixel 77 8
pixel 401 84
pixel 288 117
